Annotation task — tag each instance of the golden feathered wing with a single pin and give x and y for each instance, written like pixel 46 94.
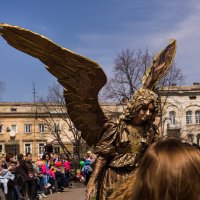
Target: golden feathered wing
pixel 160 66
pixel 82 78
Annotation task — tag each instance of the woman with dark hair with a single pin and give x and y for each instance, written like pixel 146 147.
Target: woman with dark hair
pixel 123 144
pixel 9 161
pixel 170 169
pixel 11 165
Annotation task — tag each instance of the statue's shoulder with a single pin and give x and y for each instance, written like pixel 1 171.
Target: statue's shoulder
pixel 115 123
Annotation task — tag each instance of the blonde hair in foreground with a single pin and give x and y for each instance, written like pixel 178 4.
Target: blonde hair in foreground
pixel 170 170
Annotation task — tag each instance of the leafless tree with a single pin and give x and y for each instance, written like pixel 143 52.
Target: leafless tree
pixel 129 68
pixel 57 119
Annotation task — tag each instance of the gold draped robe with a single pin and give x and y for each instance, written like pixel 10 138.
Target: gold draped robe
pixel 122 145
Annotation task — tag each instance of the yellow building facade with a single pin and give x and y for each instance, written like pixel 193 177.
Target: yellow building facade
pixel 23 128
pixel 21 131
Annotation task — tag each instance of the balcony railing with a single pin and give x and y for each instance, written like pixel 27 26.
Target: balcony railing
pixel 176 126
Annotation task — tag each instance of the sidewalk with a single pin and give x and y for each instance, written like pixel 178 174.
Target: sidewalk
pixel 77 192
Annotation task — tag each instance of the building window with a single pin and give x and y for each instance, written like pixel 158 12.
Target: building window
pixel 13 109
pixel 27 128
pixel 189 117
pixel 198 139
pixel 1 148
pixel 13 128
pixel 41 128
pixel 172 116
pixel 27 148
pixel 197 117
pixel 192 97
pixel 1 128
pixel 41 149
pixel 57 150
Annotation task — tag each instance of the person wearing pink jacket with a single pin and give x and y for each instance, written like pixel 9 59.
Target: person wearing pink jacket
pixel 67 166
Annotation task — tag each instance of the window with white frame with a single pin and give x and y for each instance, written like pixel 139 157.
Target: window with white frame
pixel 172 116
pixel 13 128
pixel 27 128
pixel 1 128
pixel 27 148
pixel 189 117
pixel 197 117
pixel 41 148
pixel 41 128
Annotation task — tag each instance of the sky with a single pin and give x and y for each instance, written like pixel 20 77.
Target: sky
pixel 98 30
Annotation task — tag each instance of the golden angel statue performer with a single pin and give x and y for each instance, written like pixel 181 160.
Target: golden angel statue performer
pixel 120 144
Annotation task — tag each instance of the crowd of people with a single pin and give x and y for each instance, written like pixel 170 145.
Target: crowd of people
pixel 24 179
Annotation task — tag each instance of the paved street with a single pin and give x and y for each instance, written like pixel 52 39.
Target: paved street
pixel 77 192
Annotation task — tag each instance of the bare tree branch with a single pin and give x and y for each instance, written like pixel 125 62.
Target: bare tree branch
pixel 58 122
pixel 129 68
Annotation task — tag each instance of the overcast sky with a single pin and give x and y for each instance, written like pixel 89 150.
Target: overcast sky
pixel 98 30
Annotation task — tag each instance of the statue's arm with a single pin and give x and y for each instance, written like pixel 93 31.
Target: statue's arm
pixel 96 175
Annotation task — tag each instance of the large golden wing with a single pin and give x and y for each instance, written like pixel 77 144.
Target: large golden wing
pixel 82 78
pixel 160 66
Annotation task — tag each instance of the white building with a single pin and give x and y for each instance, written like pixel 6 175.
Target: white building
pixel 181 113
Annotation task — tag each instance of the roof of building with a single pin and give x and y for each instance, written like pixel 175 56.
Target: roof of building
pixel 181 89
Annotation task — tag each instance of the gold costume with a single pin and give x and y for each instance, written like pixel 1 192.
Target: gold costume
pixel 123 144
pixel 124 149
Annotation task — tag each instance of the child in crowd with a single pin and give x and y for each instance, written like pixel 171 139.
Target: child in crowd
pixel 67 166
pixel 87 170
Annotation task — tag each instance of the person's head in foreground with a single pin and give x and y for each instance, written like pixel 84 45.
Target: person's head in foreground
pixel 170 170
